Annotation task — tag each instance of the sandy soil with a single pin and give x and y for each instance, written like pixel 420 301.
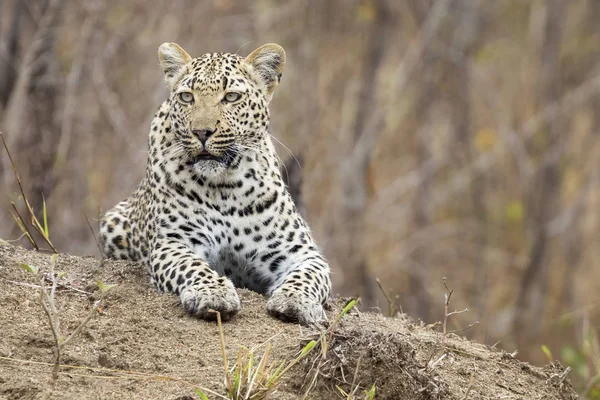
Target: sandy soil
pixel 141 345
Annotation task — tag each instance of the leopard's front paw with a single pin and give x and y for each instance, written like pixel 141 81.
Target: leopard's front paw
pixel 291 306
pixel 201 301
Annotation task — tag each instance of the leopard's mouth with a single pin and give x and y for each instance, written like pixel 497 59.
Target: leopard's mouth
pixel 205 156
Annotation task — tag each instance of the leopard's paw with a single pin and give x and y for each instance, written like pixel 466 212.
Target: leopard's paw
pixel 290 306
pixel 203 300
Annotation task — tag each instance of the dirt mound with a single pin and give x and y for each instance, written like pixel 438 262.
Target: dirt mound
pixel 142 345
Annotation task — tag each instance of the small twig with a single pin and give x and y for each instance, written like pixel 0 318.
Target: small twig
pixel 457 312
pixel 23 225
pixel 92 231
pixel 356 372
pixel 447 297
pixel 47 301
pixel 12 164
pixel 60 285
pixel 54 283
pixel 509 388
pixel 44 301
pixel 391 303
pixel 69 287
pixel 83 323
pixel 564 375
pixel 464 329
pixel 313 381
pixel 466 353
pixel 471 380
pixel 23 284
pixel 436 362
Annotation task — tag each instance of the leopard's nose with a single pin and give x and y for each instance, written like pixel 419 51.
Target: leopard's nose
pixel 203 135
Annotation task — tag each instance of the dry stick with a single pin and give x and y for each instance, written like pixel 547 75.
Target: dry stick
pixel 391 303
pixel 447 296
pixel 49 306
pixel 30 285
pixel 83 323
pixel 564 375
pixel 471 380
pixel 314 378
pixel 432 365
pixel 60 285
pixel 21 222
pixel 67 286
pixel 472 324
pixel 466 353
pixel 354 385
pixel 34 221
pixel 447 314
pixel 92 230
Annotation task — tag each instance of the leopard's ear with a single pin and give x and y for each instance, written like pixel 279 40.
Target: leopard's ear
pixel 268 62
pixel 172 60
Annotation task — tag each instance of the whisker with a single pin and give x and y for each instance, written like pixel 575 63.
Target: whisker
pixel 238 146
pixel 288 150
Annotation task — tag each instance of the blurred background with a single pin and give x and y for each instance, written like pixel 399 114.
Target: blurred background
pixel 423 139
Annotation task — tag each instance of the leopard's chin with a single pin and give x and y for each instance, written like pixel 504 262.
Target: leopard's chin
pixel 211 168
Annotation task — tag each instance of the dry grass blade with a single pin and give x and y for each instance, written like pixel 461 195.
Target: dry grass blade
pixel 22 225
pixel 325 340
pixel 248 380
pixel 344 311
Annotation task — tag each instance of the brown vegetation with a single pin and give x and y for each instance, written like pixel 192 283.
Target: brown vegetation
pixel 437 138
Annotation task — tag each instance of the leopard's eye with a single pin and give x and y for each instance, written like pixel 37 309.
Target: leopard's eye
pixel 186 97
pixel 231 97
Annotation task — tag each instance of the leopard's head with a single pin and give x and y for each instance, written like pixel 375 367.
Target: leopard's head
pixel 219 103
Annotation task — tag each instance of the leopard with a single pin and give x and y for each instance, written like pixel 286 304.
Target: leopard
pixel 212 213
